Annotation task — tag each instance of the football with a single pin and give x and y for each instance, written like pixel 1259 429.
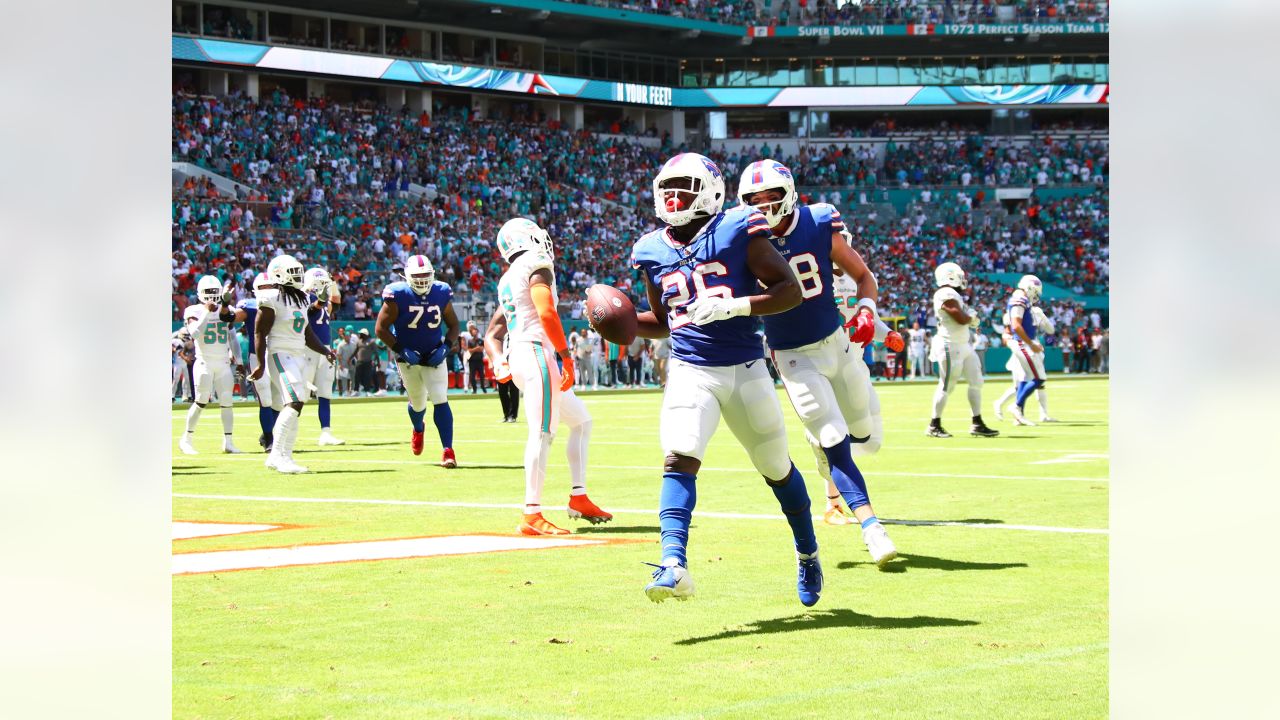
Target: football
pixel 611 314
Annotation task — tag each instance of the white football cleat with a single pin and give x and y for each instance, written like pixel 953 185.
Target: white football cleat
pixel 327 438
pixel 185 446
pixel 289 467
pixel 230 447
pixel 1047 419
pixel 1019 418
pixel 998 410
pixel 272 460
pixel 879 545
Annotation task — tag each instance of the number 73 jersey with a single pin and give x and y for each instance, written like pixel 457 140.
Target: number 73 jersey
pixel 419 317
pixel 713 264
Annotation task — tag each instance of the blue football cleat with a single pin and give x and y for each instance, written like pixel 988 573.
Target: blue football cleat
pixel 809 582
pixel 672 581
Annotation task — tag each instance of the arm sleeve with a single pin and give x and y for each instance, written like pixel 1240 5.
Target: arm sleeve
pixel 546 306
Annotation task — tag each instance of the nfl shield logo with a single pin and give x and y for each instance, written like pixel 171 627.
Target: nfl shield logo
pixel 791 363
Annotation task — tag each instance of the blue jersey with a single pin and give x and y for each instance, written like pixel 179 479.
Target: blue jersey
pixel 250 308
pixel 420 318
pixel 319 320
pixel 713 264
pixel 1020 299
pixel 807 249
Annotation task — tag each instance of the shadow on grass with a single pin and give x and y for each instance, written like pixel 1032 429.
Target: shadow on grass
pixel 821 619
pixel 379 443
pixel 928 562
pixel 470 466
pixel 973 521
pixel 610 528
pixel 185 471
pixel 352 472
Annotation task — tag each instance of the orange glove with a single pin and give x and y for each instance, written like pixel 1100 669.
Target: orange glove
pixel 566 374
pixel 893 341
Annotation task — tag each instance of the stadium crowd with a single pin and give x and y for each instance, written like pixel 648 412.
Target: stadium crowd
pixel 357 188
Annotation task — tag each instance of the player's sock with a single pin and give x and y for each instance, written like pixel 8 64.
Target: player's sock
pixel 416 416
pixel 793 498
pixel 536 451
pixel 845 474
pixel 1043 397
pixel 442 416
pixel 266 418
pixel 939 402
pixel 1025 388
pixel 285 432
pixel 193 417
pixel 975 399
pixel 228 417
pixel 869 522
pixel 576 449
pixel 1004 399
pixel 679 495
pixel 322 409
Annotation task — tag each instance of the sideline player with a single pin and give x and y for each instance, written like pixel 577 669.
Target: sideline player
pixel 573 412
pixel 527 304
pixel 919 340
pixel 828 384
pixel 1022 324
pixel 952 351
pixel 703 272
pixel 282 318
pixel 269 402
pixel 324 299
pixel 209 324
pixel 409 323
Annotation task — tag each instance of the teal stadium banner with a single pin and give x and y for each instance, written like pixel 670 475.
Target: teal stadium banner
pixel 817 31
pixel 248 55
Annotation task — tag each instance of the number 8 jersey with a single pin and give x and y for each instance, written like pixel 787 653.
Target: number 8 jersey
pixel 289 329
pixel 806 246
pixel 713 264
pixel 418 318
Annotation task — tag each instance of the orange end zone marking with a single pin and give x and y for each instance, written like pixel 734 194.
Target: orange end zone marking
pixel 192 529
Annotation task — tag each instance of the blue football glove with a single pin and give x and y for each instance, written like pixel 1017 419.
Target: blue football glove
pixel 437 356
pixel 413 357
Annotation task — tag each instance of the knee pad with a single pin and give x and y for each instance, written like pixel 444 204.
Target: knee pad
pixel 771 459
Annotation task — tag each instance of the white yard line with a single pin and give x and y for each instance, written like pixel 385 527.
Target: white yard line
pixel 625 511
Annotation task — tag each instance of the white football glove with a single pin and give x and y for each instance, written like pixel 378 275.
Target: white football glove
pixel 975 321
pixel 713 309
pixel 502 372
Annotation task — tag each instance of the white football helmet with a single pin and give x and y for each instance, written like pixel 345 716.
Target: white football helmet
pixel 261 285
pixel 419 273
pixel 209 289
pixel 317 282
pixel 1031 285
pixel 949 273
pixel 286 271
pixel 519 234
pixel 769 175
pixel 706 184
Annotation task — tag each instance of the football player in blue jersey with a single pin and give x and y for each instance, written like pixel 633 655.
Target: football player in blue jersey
pixel 829 386
pixel 703 274
pixel 270 403
pixel 409 324
pixel 1027 351
pixel 324 298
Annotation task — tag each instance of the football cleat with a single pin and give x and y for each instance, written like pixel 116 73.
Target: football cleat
pixel 581 507
pixel 416 443
pixel 535 524
pixel 980 429
pixel 230 447
pixel 327 438
pixel 669 581
pixel 878 544
pixel 289 467
pixel 272 460
pixel 937 431
pixel 809 578
pixel 835 515
pixel 1047 419
pixel 447 459
pixel 998 411
pixel 1019 418
pixel 185 446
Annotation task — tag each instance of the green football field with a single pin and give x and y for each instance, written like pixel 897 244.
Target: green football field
pixel 996 607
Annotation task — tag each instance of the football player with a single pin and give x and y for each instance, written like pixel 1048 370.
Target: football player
pixel 209 324
pixel 828 383
pixel 1044 325
pixel 282 318
pixel 952 351
pixel 409 324
pixel 572 412
pixel 324 298
pixel 1022 324
pixel 919 340
pixel 270 403
pixel 527 298
pixel 703 273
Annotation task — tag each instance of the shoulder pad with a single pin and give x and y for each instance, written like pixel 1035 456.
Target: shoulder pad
pixel 537 261
pixel 756 225
pixel 389 292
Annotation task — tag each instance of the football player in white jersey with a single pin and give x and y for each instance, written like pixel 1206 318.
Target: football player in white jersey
pixel 918 340
pixel 216 351
pixel 527 305
pixel 952 351
pixel 282 321
pixel 269 402
pixel 317 283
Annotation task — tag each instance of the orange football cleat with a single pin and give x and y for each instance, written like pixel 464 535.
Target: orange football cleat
pixel 417 443
pixel 835 516
pixel 580 506
pixel 535 524
pixel 447 459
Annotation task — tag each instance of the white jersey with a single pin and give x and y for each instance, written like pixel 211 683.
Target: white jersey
pixel 289 329
pixel 846 292
pixel 948 328
pixel 213 337
pixel 917 338
pixel 523 324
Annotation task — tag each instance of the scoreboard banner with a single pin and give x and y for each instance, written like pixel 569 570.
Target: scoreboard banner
pixel 1061 28
pixel 368 67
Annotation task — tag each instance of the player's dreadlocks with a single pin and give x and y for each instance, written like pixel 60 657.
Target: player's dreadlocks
pixel 292 295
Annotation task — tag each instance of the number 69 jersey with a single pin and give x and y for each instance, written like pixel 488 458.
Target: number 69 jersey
pixel 806 246
pixel 419 317
pixel 713 264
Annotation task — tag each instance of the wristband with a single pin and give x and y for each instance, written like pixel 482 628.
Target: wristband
pixel 870 305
